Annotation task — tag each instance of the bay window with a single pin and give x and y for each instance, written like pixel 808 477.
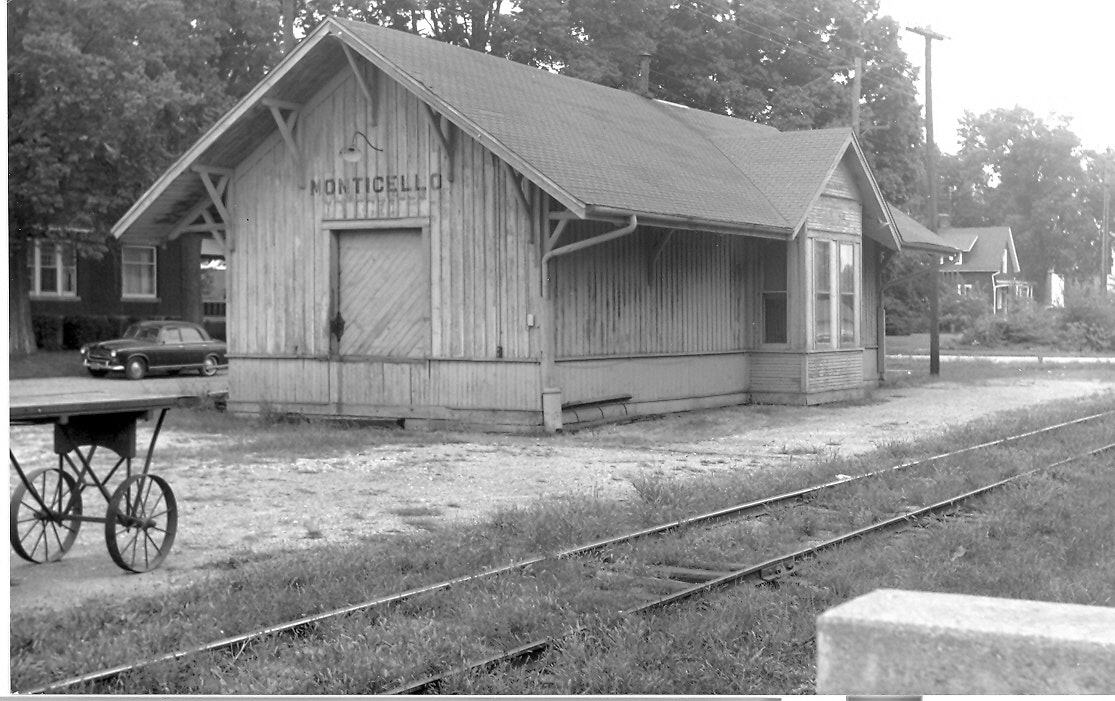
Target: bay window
pixel 835 294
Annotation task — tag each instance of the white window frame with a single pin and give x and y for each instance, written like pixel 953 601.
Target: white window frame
pixel 835 292
pixel 63 252
pixel 153 264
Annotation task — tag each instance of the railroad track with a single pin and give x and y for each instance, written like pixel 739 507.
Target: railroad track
pixel 648 580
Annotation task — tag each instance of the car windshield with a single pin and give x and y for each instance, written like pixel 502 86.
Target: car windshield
pixel 142 333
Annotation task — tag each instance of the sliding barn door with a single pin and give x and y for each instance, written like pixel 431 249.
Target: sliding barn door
pixel 383 295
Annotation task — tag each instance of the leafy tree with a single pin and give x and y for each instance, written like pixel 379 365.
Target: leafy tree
pixel 1015 169
pixel 102 95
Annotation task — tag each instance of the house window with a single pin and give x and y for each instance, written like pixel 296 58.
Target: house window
pixel 53 269
pixel 847 282
pixel 834 294
pixel 139 271
pixel 774 292
pixel 822 290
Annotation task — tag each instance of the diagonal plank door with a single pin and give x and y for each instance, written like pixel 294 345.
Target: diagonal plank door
pixel 384 295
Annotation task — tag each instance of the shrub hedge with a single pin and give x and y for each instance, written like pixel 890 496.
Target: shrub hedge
pixel 54 332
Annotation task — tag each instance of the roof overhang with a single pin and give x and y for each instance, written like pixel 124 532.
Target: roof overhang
pixel 916 237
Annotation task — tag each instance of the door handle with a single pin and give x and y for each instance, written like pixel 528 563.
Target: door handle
pixel 337 325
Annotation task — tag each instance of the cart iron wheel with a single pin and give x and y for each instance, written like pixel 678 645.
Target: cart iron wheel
pixel 135 369
pixel 39 536
pixel 209 367
pixel 141 524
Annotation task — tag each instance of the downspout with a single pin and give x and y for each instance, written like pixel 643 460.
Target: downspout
pixel 581 245
pixel 551 392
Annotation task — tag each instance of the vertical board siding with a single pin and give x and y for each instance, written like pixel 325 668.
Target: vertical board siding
pixel 280 380
pixel 450 384
pixel 834 371
pixel 869 328
pixel 653 379
pixel 610 300
pixel 480 252
pixel 481 262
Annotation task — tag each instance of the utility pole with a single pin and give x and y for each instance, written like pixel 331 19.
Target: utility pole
pixel 1105 240
pixel 931 172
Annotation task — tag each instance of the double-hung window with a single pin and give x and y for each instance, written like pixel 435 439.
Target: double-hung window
pixel 53 269
pixel 835 298
pixel 140 266
pixel 775 308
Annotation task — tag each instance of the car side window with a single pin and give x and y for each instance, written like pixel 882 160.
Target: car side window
pixel 191 335
pixel 171 335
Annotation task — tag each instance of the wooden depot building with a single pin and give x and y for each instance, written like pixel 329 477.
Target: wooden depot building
pixel 418 231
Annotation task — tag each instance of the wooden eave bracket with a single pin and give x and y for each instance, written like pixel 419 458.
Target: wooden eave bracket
pixel 361 81
pixel 523 185
pixel 443 128
pixel 286 125
pixel 216 199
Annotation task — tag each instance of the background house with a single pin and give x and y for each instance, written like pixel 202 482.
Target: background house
pixel 985 262
pixel 422 232
pixel 75 299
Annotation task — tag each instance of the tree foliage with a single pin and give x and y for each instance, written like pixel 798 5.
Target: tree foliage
pixel 1019 170
pixel 102 95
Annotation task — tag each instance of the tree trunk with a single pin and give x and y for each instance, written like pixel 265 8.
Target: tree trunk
pixel 21 334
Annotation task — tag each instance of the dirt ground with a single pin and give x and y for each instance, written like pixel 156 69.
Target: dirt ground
pixel 236 511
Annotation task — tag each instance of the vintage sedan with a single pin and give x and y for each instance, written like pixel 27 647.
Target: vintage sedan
pixel 156 346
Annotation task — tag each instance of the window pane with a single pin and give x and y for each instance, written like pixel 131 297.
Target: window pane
pixel 48 268
pixel 774 266
pixel 822 281
pixel 847 294
pixel 191 335
pixel 822 266
pixel 847 320
pixel 774 317
pixel 139 271
pixel 847 268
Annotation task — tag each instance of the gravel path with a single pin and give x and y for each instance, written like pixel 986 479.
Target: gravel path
pixel 229 511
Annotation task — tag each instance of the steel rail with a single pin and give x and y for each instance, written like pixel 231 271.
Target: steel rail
pixel 756 571
pixel 242 640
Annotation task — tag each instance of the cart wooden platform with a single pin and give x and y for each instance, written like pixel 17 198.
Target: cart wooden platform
pixel 47 506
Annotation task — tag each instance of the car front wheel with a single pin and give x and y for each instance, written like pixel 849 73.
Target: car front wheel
pixel 135 369
pixel 209 367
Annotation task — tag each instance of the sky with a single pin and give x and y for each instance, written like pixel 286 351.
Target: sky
pixel 1049 57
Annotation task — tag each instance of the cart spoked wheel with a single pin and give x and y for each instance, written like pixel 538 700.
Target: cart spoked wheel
pixel 45 536
pixel 142 521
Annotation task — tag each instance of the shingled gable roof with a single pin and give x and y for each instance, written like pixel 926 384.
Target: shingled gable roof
pixel 601 152
pixel 985 254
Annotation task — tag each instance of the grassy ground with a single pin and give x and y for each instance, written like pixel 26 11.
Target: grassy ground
pixel 1052 538
pixel 46 364
pixel 950 344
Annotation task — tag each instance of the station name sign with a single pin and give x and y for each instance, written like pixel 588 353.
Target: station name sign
pixel 378 185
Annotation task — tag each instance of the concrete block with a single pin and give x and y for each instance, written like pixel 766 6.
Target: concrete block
pixel 904 642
